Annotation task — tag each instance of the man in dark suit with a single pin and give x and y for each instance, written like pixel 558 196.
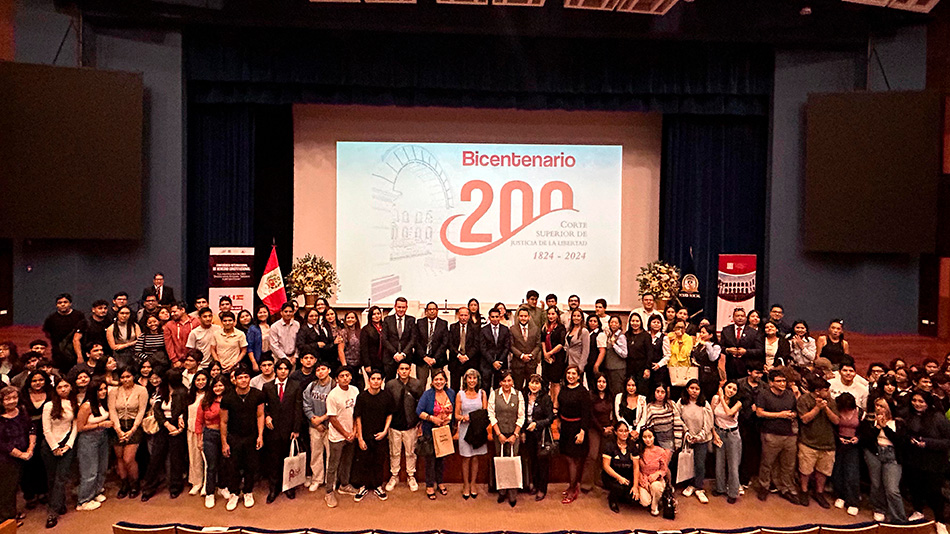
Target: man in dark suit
pixel 742 345
pixel 525 348
pixel 398 338
pixel 494 344
pixel 283 417
pixel 432 335
pixel 463 347
pixel 164 294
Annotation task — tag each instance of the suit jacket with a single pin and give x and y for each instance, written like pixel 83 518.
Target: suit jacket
pixel 168 295
pixel 370 345
pixel 307 339
pixel 471 347
pixel 439 344
pixel 286 415
pixel 392 343
pixel 750 341
pixel 521 346
pixel 492 351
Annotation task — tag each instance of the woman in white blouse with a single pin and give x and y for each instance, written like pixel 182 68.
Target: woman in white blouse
pixel 59 429
pixel 802 344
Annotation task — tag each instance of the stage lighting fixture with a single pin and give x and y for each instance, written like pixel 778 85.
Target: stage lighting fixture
pixel 646 7
pixel 601 5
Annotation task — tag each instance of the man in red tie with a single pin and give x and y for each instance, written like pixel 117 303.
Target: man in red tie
pixel 283 417
pixel 742 345
pixel 164 294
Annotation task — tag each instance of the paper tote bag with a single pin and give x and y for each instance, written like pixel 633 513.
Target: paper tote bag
pixel 679 376
pixel 295 467
pixel 684 465
pixel 442 441
pixel 507 471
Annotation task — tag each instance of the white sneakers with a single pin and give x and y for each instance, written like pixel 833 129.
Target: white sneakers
pixel 852 510
pixel 209 501
pixel 314 486
pixel 225 494
pixel 101 497
pixel 701 495
pixel 916 516
pixel 879 517
pixel 688 492
pixel 331 500
pixel 839 504
pixel 232 503
pixel 941 528
pixel 88 506
pixel 195 490
pixel 413 485
pixel 391 485
pixel 248 500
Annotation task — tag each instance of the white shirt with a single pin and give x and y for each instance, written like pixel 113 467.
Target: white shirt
pixel 340 403
pixel 203 339
pixel 857 389
pixel 283 339
pixel 492 420
pixel 645 317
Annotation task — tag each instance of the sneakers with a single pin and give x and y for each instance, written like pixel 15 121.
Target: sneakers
pixel 88 506
pixel 195 490
pixel 413 485
pixel 223 492
pixel 348 490
pixel 331 500
pixel 209 501
pixel 879 517
pixel 852 510
pixel 916 516
pixel 360 494
pixel 701 495
pixel 314 486
pixel 248 500
pixel 232 503
pixel 839 504
pixel 393 481
pixel 742 490
pixel 688 492
pixel 381 494
pixel 101 497
pixel 941 528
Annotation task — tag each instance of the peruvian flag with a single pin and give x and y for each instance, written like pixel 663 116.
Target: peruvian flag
pixel 271 289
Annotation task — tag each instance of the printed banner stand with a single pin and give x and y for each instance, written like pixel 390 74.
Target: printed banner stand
pixel 736 286
pixel 230 273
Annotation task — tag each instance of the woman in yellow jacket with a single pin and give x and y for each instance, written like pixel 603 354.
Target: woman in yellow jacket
pixel 681 346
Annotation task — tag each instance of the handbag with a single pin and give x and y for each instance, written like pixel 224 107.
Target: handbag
pixel 424 446
pixel 150 424
pixel 547 447
pixel 295 467
pixel 668 502
pixel 442 444
pixel 679 376
pixel 685 468
pixel 508 470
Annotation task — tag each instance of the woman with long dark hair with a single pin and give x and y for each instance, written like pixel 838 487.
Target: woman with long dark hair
pixel 208 434
pixel 475 313
pixel 127 405
pixel 577 340
pixel 597 344
pixel 654 470
pixel 257 335
pixel 243 324
pixel 200 386
pixel 801 344
pixel 536 435
pixel 928 443
pixel 371 347
pixel 349 347
pixel 621 468
pixel 833 345
pixel 639 351
pixel 600 430
pixel 697 419
pixel 630 406
pixel 575 419
pixel 846 474
pixel 59 430
pixel 122 336
pixel 706 354
pixel 36 391
pixel 92 445
pixel 170 407
pixel 726 406
pixel 553 361
pixel 659 352
pixel 661 415
pixel 9 360
pixel 436 408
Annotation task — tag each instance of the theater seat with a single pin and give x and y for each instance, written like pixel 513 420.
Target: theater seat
pixel 190 529
pixel 917 528
pixel 8 527
pixel 858 528
pixel 123 527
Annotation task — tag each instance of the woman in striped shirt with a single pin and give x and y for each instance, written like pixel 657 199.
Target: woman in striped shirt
pixel 662 416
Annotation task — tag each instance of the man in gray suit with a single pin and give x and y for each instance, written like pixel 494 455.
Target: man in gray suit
pixel 525 348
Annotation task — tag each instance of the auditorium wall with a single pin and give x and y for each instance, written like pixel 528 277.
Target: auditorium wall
pixel 96 269
pixel 873 293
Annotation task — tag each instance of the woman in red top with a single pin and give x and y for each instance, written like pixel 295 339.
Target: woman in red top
pixel 654 471
pixel 208 432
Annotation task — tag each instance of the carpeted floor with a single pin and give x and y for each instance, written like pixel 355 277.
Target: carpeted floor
pixel 413 512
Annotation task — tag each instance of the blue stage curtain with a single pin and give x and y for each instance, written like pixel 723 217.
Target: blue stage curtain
pixel 713 195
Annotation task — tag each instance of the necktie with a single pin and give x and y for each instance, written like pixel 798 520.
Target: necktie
pixel 399 326
pixel 280 392
pixel 494 329
pixel 738 333
pixel 524 332
pixel 429 338
pixel 462 344
pixel 158 293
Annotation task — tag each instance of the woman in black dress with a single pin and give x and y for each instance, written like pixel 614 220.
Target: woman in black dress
pixel 36 391
pixel 706 354
pixel 371 349
pixel 553 361
pixel 621 464
pixel 575 416
pixel 595 328
pixel 639 351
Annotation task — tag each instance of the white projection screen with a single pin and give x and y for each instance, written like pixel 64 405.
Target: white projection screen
pixel 447 204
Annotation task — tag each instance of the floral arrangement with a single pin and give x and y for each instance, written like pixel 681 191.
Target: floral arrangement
pixel 659 278
pixel 312 275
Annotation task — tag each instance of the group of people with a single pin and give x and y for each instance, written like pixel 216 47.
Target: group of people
pixel 218 401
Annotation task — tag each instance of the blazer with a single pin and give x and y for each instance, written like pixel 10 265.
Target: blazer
pixel 392 343
pixel 286 415
pixel 490 350
pixel 521 346
pixel 307 339
pixel 558 337
pixel 639 353
pixel 440 341
pixel 543 413
pixel 168 295
pixel 783 354
pixel 751 342
pixel 578 348
pixel 370 347
pixel 471 346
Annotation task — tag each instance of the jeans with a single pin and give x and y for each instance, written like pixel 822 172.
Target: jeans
pixel 339 463
pixel 92 450
pixel 846 477
pixel 211 443
pixel 435 469
pixel 728 458
pixel 885 474
pixel 700 450
pixel 58 471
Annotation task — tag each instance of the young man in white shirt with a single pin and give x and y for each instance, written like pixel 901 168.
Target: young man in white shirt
pixel 845 380
pixel 342 435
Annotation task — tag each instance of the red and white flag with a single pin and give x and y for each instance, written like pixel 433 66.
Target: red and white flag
pixel 271 289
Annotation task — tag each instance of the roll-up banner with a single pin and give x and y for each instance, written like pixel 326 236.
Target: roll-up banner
pixel 231 274
pixel 736 286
